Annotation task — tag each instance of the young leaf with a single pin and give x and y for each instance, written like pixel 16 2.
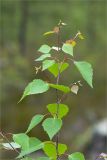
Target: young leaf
pixel 61 148
pixel 35 87
pixel 62 88
pixel 42 57
pixel 21 139
pixel 30 150
pixel 62 109
pixel 75 89
pixel 76 156
pixel 8 146
pixel 44 48
pixel 86 71
pixel 80 35
pixel 35 121
pixel 47 64
pixel 50 149
pixel 52 126
pixel 43 158
pixel 48 33
pixel 54 69
pixel 68 48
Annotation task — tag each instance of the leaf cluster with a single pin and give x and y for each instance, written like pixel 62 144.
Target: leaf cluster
pixel 56 111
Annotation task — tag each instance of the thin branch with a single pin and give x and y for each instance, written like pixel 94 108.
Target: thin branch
pixel 9 142
pixel 57 95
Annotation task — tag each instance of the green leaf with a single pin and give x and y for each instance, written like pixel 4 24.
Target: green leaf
pixel 52 126
pixel 76 156
pixel 28 144
pixel 61 148
pixel 22 139
pixel 62 111
pixel 86 71
pixel 35 121
pixel 80 35
pixel 30 150
pixel 50 149
pixel 35 87
pixel 42 57
pixel 48 33
pixel 43 158
pixel 62 88
pixel 44 48
pixel 67 48
pixel 34 142
pixel 47 64
pixel 54 69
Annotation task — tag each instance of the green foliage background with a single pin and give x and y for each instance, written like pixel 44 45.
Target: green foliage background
pixel 22 24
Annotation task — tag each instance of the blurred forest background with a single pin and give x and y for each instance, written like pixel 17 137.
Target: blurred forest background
pixel 22 24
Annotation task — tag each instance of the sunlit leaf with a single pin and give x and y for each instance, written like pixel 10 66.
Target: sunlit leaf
pixel 67 48
pixel 62 109
pixel 8 146
pixel 42 57
pixel 47 64
pixel 50 149
pixel 35 121
pixel 48 33
pixel 76 156
pixel 35 87
pixel 44 48
pixel 86 71
pixel 52 126
pixel 21 139
pixel 62 88
pixel 75 88
pixel 54 69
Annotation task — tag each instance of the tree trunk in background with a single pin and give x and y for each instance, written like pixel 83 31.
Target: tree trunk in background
pixel 23 26
pixel 1 25
pixel 91 28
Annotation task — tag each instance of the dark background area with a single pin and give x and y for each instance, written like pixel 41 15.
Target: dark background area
pixel 22 24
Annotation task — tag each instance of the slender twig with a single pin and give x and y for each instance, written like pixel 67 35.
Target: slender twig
pixel 9 142
pixel 57 96
pixel 76 35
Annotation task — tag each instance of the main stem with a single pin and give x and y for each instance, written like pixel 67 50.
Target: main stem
pixel 57 95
